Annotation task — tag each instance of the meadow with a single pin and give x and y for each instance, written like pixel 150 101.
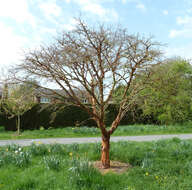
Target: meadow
pixel 160 165
pixel 127 130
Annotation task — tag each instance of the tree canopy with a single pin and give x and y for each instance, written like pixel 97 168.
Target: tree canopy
pixel 96 60
pixel 18 100
pixel 169 98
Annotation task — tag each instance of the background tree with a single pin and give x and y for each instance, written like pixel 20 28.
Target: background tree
pixel 169 98
pixel 18 100
pixel 96 60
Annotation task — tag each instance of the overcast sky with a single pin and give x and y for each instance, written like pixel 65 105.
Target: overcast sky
pixel 28 23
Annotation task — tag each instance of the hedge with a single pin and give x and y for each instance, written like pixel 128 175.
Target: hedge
pixel 59 115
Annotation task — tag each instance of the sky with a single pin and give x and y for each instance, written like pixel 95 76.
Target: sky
pixel 27 24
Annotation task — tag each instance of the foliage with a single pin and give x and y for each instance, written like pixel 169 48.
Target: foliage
pixel 71 114
pixel 60 116
pixel 14 155
pixel 38 149
pixel 166 96
pixel 57 149
pixel 19 100
pixel 169 98
pixel 82 174
pixel 52 162
pixel 2 129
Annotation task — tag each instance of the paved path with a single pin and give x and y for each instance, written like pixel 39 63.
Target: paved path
pixel 27 142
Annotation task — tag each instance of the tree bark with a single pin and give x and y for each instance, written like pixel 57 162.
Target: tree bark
pixel 105 152
pixel 18 125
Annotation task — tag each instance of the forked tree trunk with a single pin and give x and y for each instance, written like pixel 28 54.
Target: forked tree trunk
pixel 106 143
pixel 105 152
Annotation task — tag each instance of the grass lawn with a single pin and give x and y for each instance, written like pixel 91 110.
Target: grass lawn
pixel 161 165
pixel 93 132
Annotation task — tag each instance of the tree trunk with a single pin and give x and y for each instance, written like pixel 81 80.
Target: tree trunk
pixel 18 125
pixel 105 152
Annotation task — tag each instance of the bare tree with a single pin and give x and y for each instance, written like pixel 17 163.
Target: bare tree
pixel 96 60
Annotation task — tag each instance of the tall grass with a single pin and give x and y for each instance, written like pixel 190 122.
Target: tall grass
pixel 161 165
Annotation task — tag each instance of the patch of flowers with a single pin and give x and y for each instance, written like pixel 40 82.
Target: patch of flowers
pixel 15 155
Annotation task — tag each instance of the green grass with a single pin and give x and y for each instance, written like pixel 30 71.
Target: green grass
pixel 161 165
pixel 93 132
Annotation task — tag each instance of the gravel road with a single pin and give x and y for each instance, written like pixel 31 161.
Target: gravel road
pixel 27 142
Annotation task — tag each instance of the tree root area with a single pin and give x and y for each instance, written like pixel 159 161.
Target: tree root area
pixel 115 167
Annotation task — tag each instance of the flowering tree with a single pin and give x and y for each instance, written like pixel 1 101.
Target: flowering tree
pixel 18 100
pixel 96 60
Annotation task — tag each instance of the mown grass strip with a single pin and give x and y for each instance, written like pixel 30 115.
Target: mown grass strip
pixel 130 130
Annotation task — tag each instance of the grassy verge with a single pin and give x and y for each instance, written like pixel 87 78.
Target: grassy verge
pixel 161 165
pixel 93 132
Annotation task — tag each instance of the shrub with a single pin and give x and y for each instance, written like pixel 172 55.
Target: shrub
pixel 60 115
pixel 52 162
pixel 147 163
pixel 2 128
pixel 6 158
pixel 14 156
pixel 41 128
pixel 22 159
pixel 82 174
pixel 70 116
pixel 57 149
pixel 38 149
pixel 12 147
pixel 188 167
pixel 75 147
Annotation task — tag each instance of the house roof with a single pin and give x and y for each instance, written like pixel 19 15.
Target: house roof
pixel 53 93
pixel 48 92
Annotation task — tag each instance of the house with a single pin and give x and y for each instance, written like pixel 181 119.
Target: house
pixel 45 95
